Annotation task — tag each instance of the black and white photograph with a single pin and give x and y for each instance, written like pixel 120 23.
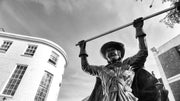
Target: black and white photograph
pixel 89 50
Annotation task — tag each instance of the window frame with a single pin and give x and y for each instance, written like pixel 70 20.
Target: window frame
pixel 40 87
pixel 29 54
pixel 51 60
pixel 3 50
pixel 12 78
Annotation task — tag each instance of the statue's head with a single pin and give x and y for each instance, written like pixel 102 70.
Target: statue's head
pixel 113 51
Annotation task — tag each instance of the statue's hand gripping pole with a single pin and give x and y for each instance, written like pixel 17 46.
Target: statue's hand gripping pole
pixel 176 5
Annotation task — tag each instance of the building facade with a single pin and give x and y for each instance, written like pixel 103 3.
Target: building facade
pixel 168 59
pixel 31 68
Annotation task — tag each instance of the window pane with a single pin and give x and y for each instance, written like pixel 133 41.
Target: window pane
pixel 53 58
pixel 31 50
pixel 14 81
pixel 5 46
pixel 43 87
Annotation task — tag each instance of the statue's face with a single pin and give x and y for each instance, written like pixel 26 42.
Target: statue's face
pixel 113 54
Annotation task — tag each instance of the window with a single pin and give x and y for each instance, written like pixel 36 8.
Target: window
pixel 5 46
pixel 30 50
pixel 43 87
pixel 53 58
pixel 15 80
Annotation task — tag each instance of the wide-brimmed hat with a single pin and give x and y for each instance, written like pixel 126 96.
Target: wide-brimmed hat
pixel 112 44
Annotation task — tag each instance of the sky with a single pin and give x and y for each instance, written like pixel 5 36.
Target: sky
pixel 66 22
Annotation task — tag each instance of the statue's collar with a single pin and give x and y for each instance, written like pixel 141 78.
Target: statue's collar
pixel 114 64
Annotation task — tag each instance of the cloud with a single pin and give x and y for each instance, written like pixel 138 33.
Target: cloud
pixel 9 16
pixel 77 85
pixel 66 5
pixel 73 5
pixel 70 5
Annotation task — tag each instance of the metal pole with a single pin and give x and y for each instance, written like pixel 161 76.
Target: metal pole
pixel 129 24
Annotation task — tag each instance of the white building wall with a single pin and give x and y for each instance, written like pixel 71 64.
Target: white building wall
pixel 37 65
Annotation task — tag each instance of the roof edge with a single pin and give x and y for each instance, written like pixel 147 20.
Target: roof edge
pixel 38 40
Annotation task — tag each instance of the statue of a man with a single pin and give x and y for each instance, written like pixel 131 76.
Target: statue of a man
pixel 121 80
